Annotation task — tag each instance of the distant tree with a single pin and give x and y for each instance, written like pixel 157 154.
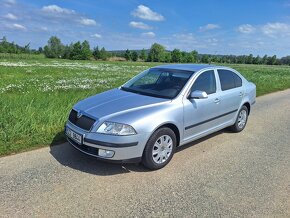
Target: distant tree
pixel 54 48
pixel 134 56
pixel 97 53
pixel 167 57
pixel 264 59
pixel 249 59
pixel 272 60
pixel 26 48
pixel 103 54
pixel 216 59
pixel 184 57
pixel 189 58
pixel 205 59
pixel 76 52
pixel 143 55
pixel 156 53
pixel 128 55
pixel 4 45
pixel 85 51
pixel 40 50
pixel 233 59
pixel 257 60
pixel 67 51
pixel 194 55
pixel 285 60
pixel 176 56
pixel 4 39
pixel 11 47
pixel 241 59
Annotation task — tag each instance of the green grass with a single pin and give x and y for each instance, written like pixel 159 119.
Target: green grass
pixel 21 56
pixel 37 94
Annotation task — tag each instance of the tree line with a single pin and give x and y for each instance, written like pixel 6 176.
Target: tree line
pixel 157 53
pixel 13 48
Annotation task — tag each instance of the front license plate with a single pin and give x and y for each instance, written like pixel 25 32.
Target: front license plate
pixel 74 136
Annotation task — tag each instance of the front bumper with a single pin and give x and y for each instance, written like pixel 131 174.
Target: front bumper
pixel 125 148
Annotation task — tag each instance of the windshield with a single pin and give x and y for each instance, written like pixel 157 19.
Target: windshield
pixel 158 82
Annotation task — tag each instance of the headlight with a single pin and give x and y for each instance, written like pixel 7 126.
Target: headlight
pixel 112 128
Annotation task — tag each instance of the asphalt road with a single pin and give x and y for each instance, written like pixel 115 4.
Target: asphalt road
pixel 223 175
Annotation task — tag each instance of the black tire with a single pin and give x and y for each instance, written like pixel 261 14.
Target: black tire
pixel 147 158
pixel 236 127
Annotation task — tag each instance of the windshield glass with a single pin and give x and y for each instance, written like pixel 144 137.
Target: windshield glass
pixel 157 82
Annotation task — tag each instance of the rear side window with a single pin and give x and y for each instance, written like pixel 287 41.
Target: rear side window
pixel 229 79
pixel 205 82
pixel 238 80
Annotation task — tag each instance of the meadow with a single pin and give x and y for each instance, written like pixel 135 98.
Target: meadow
pixel 36 94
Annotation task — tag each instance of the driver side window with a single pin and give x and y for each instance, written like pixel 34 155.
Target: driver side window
pixel 205 82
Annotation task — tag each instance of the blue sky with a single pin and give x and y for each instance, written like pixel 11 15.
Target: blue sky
pixel 209 26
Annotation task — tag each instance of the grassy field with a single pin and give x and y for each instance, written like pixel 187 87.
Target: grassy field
pixel 36 95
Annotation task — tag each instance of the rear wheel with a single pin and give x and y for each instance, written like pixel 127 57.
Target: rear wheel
pixel 241 120
pixel 159 149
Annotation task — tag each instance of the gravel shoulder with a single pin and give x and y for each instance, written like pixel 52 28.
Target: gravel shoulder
pixel 224 174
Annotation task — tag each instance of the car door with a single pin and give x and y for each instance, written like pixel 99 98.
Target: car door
pixel 231 94
pixel 199 114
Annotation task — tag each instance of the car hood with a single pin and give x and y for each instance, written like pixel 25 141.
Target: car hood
pixel 116 101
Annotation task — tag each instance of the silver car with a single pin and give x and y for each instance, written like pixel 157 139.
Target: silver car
pixel 158 110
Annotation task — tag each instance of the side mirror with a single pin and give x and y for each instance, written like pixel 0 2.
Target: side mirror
pixel 198 95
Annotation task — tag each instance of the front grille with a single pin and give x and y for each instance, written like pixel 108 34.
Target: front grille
pixel 84 122
pixel 85 148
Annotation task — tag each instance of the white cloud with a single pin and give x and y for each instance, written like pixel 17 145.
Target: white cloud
pixel 185 37
pixel 54 9
pixel 17 26
pixel 209 26
pixel 146 13
pixel 9 3
pixel 59 14
pixel 10 16
pixel 139 25
pixel 96 35
pixel 88 22
pixel 148 34
pixel 246 28
pixel 44 28
pixel 212 41
pixel 276 29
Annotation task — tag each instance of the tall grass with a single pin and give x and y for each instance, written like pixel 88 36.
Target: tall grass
pixel 36 95
pixel 21 56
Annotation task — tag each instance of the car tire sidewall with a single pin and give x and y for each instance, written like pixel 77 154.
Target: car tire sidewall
pixel 147 158
pixel 236 127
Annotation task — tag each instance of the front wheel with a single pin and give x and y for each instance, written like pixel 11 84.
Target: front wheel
pixel 241 120
pixel 159 149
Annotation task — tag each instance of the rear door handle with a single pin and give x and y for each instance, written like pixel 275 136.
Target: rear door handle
pixel 241 94
pixel 216 101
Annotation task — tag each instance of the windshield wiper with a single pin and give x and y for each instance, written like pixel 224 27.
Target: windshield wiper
pixel 143 93
pixel 129 90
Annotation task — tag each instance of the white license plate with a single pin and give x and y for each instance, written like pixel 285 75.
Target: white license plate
pixel 74 136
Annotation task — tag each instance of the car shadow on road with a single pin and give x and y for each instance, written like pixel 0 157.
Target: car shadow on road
pixel 190 144
pixel 68 156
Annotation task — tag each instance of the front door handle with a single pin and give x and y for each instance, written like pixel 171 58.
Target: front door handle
pixel 216 101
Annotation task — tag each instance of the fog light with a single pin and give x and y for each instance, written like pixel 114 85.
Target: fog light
pixel 106 153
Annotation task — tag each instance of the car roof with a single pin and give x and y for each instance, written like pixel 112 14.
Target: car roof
pixel 187 67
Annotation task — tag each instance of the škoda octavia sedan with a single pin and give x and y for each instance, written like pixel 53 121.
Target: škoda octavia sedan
pixel 160 109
